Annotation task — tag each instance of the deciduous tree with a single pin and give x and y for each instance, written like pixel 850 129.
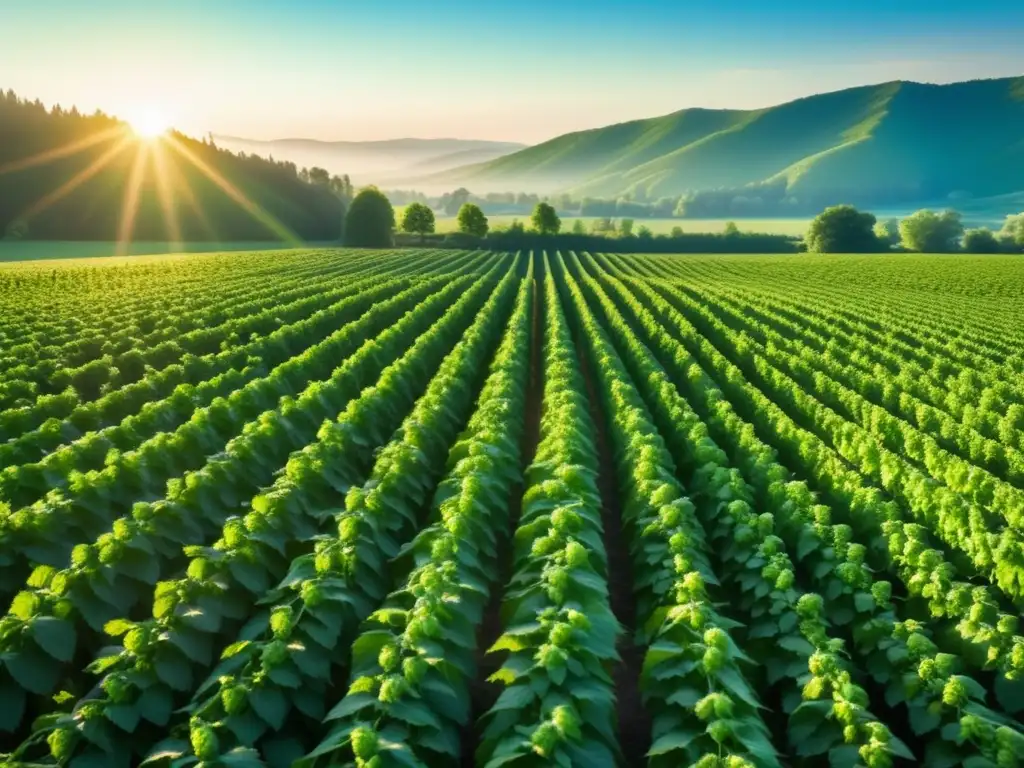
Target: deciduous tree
pixel 981 240
pixel 545 220
pixel 418 219
pixel 370 221
pixel 1012 232
pixel 472 220
pixel 930 232
pixel 841 229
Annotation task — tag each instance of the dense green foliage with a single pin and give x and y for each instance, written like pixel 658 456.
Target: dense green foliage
pixel 472 220
pixel 981 240
pixel 842 229
pixel 43 152
pixel 418 219
pixel 1013 230
pixel 392 509
pixel 861 145
pixel 544 219
pixel 370 221
pixel 930 232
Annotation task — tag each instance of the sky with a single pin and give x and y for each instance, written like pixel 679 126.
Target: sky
pixel 493 69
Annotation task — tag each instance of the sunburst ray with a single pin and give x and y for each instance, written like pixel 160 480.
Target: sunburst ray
pixel 65 150
pixel 132 192
pixel 260 215
pixel 77 180
pixel 165 192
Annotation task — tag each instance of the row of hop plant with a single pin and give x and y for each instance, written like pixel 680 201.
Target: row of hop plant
pixel 163 658
pixel 66 415
pixel 787 632
pixel 557 703
pixel 704 711
pixel 110 577
pixel 970 384
pixel 413 662
pixel 225 372
pixel 949 342
pixel 204 316
pixel 89 502
pixel 131 351
pixel 901 318
pixel 944 705
pixel 315 614
pixel 303 319
pixel 969 508
pixel 153 311
pixel 97 449
pixel 991 443
pixel 924 567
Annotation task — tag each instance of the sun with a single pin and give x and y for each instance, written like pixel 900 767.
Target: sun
pixel 148 124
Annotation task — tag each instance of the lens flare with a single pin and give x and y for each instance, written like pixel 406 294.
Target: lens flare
pixel 149 124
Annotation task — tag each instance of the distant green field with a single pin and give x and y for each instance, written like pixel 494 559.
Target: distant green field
pixel 793 227
pixel 31 250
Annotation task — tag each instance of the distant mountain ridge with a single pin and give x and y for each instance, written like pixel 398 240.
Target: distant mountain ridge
pixel 374 161
pixel 886 143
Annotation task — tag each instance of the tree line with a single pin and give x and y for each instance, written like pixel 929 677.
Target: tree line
pixel 838 229
pixel 844 229
pixel 371 223
pixel 761 200
pixel 65 175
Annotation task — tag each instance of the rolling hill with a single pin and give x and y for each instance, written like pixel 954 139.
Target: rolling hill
pixel 375 161
pixel 879 144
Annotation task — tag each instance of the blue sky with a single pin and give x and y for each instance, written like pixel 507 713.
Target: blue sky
pixel 519 71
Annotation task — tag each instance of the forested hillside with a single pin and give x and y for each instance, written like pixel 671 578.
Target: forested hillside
pixel 893 143
pixel 68 176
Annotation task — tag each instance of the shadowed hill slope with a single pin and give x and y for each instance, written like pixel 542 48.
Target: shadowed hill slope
pixel 68 176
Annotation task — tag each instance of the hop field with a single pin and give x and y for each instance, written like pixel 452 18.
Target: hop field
pixel 438 508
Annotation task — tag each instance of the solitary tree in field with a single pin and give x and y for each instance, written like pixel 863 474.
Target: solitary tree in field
pixel 930 232
pixel 545 220
pixel 578 227
pixel 370 221
pixel 981 240
pixel 418 219
pixel 676 232
pixel 626 228
pixel 842 229
pixel 472 220
pixel 731 230
pixel 644 233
